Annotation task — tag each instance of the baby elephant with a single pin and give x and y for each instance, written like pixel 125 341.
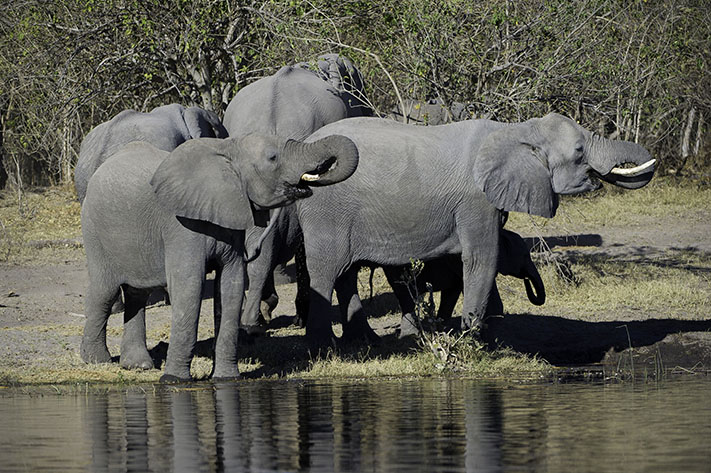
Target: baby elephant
pixel 153 218
pixel 445 275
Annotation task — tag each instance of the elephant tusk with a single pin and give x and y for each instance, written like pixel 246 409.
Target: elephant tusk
pixel 636 171
pixel 310 177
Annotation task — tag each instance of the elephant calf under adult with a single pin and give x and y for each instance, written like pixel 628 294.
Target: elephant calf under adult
pixel 427 192
pixel 154 219
pixel 445 275
pixel 164 127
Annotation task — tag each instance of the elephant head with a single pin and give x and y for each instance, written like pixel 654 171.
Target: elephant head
pixel 515 260
pixel 224 181
pixel 203 123
pixel 523 167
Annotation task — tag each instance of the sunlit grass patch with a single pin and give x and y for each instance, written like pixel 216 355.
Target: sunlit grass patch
pixel 468 362
pixel 676 284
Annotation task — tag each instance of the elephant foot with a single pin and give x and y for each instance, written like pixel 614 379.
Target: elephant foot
pixel 226 373
pixel 136 360
pixel 254 330
pixel 408 326
pixel 172 379
pixel 267 306
pixel 360 334
pixel 473 323
pixel 94 353
pixel 226 379
pixel 321 339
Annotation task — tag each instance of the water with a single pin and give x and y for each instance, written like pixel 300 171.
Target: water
pixel 382 426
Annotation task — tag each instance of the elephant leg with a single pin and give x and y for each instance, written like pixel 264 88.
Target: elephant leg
pixel 134 352
pixel 447 302
pixel 269 299
pixel 303 282
pixel 259 274
pixel 494 306
pixel 409 325
pixel 185 279
pixel 353 319
pixel 231 289
pixel 99 299
pixel 480 250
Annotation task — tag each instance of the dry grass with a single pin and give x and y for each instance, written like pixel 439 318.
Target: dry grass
pixel 672 284
pixel 40 225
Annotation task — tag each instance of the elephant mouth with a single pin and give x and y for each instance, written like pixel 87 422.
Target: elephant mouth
pixel 299 191
pixel 302 189
pixel 320 170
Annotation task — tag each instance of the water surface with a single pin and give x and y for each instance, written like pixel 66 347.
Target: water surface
pixel 401 425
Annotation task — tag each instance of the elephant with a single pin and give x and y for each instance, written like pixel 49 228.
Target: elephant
pixel 164 127
pixel 153 218
pixel 292 103
pixel 427 192
pixel 445 275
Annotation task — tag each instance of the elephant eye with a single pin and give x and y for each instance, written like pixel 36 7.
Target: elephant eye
pixel 272 157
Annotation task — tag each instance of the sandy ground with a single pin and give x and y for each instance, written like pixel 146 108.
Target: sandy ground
pixel 41 309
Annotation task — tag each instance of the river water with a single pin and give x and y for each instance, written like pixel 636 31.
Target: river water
pixel 381 426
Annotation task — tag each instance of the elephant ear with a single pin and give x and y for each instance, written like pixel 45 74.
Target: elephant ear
pixel 203 123
pixel 197 181
pixel 511 168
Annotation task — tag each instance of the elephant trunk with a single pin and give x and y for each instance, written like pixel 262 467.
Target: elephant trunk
pixel 329 160
pixel 535 290
pixel 248 258
pixel 607 157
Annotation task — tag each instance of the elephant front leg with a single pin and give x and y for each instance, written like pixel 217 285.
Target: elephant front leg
pixel 231 290
pixel 185 288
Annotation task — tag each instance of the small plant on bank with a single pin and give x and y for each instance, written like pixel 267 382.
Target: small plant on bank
pixel 448 347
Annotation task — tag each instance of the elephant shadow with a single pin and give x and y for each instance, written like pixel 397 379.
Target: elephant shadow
pixel 563 341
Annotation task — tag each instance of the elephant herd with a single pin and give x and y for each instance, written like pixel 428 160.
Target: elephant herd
pixel 172 194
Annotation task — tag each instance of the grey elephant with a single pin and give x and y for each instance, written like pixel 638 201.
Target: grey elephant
pixel 164 127
pixel 292 103
pixel 153 218
pixel 445 275
pixel 428 192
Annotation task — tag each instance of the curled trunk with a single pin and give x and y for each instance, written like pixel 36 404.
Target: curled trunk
pixel 535 290
pixel 326 161
pixel 608 157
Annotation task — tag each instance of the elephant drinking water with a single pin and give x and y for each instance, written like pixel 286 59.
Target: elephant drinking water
pixel 427 192
pixel 152 218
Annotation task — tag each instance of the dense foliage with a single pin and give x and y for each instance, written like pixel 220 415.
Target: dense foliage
pixel 633 69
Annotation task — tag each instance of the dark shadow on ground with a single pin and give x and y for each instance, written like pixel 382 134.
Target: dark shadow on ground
pixel 583 239
pixel 566 342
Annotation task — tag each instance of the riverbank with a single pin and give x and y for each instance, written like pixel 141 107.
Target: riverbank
pixel 628 279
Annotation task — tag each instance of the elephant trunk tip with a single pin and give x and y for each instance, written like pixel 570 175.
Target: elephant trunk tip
pixel 538 298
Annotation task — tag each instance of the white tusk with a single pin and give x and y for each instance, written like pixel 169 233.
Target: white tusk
pixel 310 177
pixel 636 171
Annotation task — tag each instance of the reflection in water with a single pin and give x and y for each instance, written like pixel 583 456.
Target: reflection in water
pixel 442 425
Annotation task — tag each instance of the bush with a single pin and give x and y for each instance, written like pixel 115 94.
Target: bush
pixel 633 70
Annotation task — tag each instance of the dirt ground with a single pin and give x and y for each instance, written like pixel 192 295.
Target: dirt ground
pixel 42 306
